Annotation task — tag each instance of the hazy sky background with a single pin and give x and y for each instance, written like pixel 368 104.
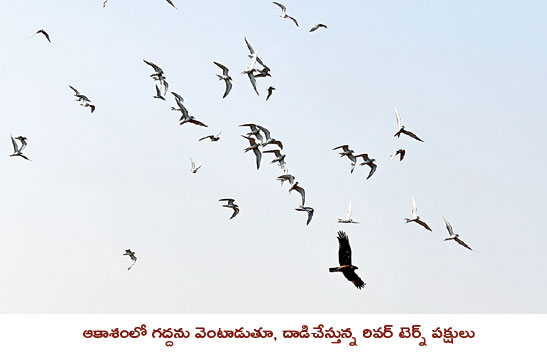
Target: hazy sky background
pixel 468 77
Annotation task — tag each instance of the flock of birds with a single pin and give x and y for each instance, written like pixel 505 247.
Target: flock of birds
pixel 258 137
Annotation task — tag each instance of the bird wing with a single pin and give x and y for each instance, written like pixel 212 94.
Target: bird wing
pixel 171 3
pixel 316 26
pixel 249 46
pixel 275 151
pixel 283 8
pixel 76 92
pixel 372 170
pixel 414 209
pixel 193 165
pixel 258 154
pixel 302 193
pixel 178 98
pixel 294 20
pixel 266 132
pixel 228 88
pixel 344 147
pixel 157 69
pixel 462 243
pixel 352 276
pixel 229 200
pixel 402 153
pixel 15 147
pixel 410 134
pixel 197 123
pixel 398 118
pixel 448 227
pixel 253 81
pixel 392 156
pixel 224 69
pixel 250 139
pixel 423 224
pixel 45 34
pixel 236 211
pixel 158 92
pixel 344 249
pixel 310 215
pixel 202 138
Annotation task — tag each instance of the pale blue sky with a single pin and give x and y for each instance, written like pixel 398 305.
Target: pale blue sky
pixel 468 77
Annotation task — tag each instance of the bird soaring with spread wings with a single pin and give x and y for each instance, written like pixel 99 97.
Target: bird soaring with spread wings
pixel 284 13
pixel 132 256
pixel 227 79
pixel 415 217
pixel 453 236
pixel 211 137
pixel 344 258
pixel 401 128
pixel 42 32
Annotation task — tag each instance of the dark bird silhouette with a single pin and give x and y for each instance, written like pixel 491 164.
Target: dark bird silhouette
pixel 132 256
pixel 344 258
pixel 44 33
pixel 400 152
pixel 270 92
pixel 230 204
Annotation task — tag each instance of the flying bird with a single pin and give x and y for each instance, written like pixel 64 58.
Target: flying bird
pixel 211 137
pixel 42 32
pixel 400 152
pixel 309 210
pixel 300 191
pixel 132 256
pixel 348 216
pixel 345 150
pixel 270 92
pixel 79 97
pixel 415 217
pixel 17 151
pixel 284 13
pixel 254 146
pixel 194 169
pixel 185 118
pixel 317 25
pixel 453 236
pixel 286 177
pixel 368 161
pixel 401 128
pixel 279 158
pixel 227 79
pixel 344 258
pixel 230 204
pixel 255 130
